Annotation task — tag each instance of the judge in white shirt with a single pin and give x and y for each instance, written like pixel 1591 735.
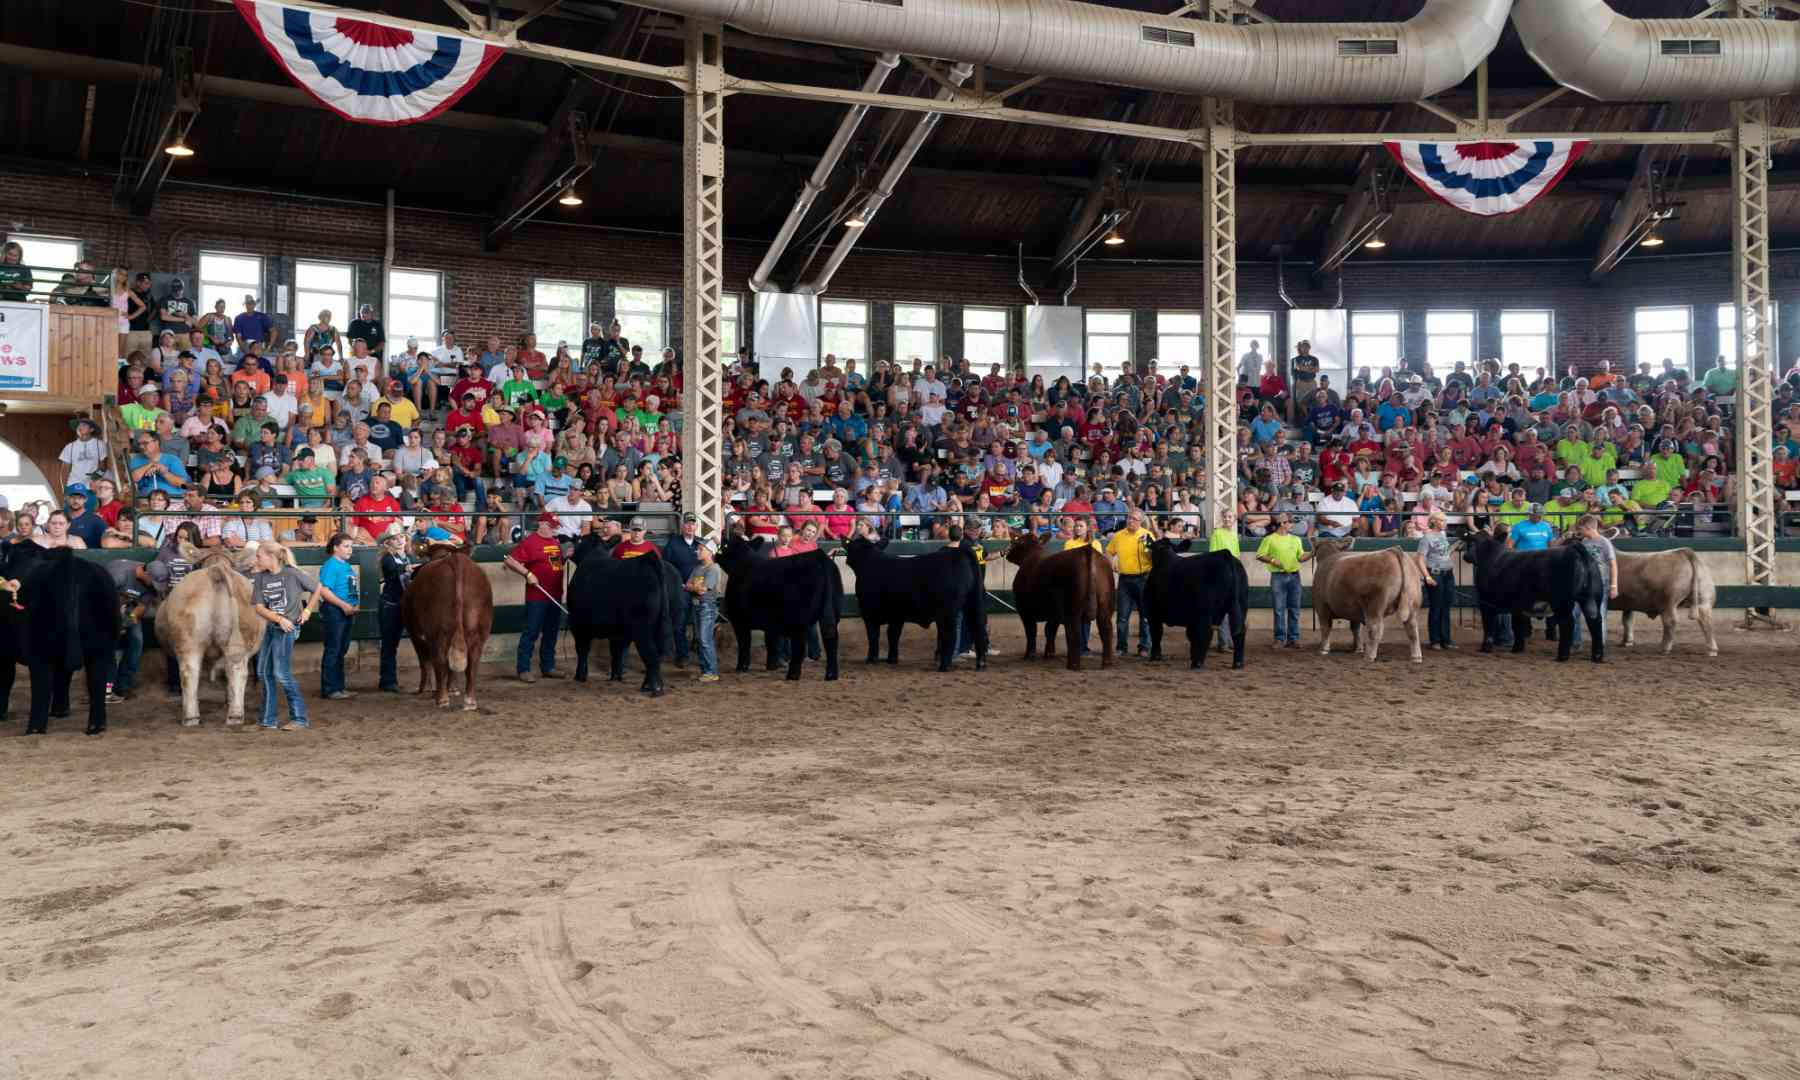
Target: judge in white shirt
pixel 1337 512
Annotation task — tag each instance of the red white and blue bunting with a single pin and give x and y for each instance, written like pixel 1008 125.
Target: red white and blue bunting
pixel 1488 178
pixel 367 71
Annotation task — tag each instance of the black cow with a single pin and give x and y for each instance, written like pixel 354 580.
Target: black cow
pixel 1564 577
pixel 66 619
pixel 1199 593
pixel 927 590
pixel 628 602
pixel 782 598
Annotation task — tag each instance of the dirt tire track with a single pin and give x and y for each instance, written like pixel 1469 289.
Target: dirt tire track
pixel 718 917
pixel 546 958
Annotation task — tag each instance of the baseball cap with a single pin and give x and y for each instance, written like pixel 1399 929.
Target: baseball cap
pixel 149 388
pixel 690 517
pixel 77 489
pixel 635 524
pixel 305 452
pixel 438 532
pixel 710 544
pixel 561 461
pixel 551 518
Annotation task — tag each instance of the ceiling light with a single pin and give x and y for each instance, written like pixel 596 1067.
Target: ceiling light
pixel 1375 243
pixel 1114 238
pixel 858 218
pixel 179 148
pixel 1653 240
pixel 568 197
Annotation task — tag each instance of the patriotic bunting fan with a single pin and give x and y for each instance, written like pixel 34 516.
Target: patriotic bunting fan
pixel 366 71
pixel 1488 178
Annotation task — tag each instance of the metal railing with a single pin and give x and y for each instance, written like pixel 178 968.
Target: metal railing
pixel 95 293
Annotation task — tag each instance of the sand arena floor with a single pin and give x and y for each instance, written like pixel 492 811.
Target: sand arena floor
pixel 1478 867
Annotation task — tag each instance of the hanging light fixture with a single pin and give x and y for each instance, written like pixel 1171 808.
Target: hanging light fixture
pixel 859 217
pixel 179 148
pixel 1114 237
pixel 569 197
pixel 1375 243
pixel 1654 239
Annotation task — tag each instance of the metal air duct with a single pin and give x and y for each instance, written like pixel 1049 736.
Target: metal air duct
pixel 1588 47
pixel 1277 63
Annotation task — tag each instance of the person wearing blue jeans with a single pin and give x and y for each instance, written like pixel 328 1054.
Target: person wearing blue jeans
pixel 1282 552
pixel 284 600
pixel 538 558
pixel 703 590
pixel 340 590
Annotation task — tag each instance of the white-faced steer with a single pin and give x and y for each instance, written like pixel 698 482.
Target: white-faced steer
pixel 1365 588
pixel 210 619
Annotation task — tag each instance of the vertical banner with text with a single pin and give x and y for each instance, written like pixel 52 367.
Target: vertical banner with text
pixel 24 346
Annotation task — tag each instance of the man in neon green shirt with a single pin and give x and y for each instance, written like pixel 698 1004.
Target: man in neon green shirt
pixel 1515 509
pixel 1566 509
pixel 1571 449
pixel 518 389
pixel 141 414
pixel 1671 467
pixel 1720 380
pixel 1282 552
pixel 1600 460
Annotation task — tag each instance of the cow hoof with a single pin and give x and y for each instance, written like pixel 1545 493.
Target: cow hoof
pixel 190 721
pixel 873 660
pixel 1237 665
pixel 96 731
pixel 1599 659
pixel 443 703
pixel 470 706
pixel 980 664
pixel 1712 652
pixel 796 678
pixel 37 731
pixel 234 721
pixel 581 676
pixel 59 716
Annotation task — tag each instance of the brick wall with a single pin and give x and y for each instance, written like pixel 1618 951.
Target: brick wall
pixel 491 293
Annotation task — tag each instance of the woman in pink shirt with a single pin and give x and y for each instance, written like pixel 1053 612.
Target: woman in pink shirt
pixel 840 516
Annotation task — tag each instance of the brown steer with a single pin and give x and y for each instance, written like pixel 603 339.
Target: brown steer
pixel 1066 589
pixel 448 610
pixel 1661 585
pixel 1365 588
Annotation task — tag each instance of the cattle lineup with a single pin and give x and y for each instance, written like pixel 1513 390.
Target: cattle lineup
pixel 232 612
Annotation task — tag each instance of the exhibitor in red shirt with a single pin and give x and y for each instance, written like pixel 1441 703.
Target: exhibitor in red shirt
pixel 634 545
pixel 542 557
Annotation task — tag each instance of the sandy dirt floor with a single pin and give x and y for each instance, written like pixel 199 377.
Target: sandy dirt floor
pixel 1481 866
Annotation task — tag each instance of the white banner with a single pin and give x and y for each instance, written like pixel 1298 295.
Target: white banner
pixel 24 346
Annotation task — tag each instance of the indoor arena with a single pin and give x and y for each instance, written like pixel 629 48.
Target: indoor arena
pixel 899 539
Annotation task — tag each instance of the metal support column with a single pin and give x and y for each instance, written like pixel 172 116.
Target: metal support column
pixel 702 278
pixel 1221 308
pixel 1756 339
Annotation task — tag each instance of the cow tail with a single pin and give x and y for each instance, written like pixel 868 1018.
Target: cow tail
pixel 459 641
pixel 1696 593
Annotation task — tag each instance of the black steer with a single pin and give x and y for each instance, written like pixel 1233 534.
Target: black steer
pixel 66 619
pixel 1565 578
pixel 628 602
pixel 1198 593
pixel 782 598
pixel 927 590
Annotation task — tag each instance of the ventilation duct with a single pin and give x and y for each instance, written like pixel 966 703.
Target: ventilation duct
pixel 1588 47
pixel 1277 63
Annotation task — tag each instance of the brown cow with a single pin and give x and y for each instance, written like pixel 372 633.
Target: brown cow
pixel 1065 589
pixel 1365 588
pixel 210 620
pixel 448 611
pixel 1661 585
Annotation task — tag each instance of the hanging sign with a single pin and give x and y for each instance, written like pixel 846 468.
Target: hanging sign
pixel 1488 178
pixel 366 71
pixel 24 346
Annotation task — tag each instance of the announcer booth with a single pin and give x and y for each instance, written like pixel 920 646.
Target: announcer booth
pixel 57 362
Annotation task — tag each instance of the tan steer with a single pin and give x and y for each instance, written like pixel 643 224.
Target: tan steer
pixel 1365 588
pixel 1661 585
pixel 209 619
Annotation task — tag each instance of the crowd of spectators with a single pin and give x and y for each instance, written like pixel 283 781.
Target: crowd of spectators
pixel 230 417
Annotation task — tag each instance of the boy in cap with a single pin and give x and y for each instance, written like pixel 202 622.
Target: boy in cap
pixel 704 585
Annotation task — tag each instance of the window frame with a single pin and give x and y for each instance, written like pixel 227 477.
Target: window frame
pixel 396 331
pixel 652 356
pixel 1090 366
pixel 1174 358
pixel 936 328
pixel 1398 336
pixel 730 339
pixel 1548 335
pixel 1004 334
pixel 1431 339
pixel 546 343
pixel 1238 338
pixel 865 328
pixel 1684 362
pixel 1728 336
pixel 203 304
pixel 339 319
pixel 41 286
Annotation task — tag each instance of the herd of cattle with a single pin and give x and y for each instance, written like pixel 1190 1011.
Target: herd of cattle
pixel 65 616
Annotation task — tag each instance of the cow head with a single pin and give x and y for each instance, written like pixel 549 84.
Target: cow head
pixel 1162 553
pixel 1328 547
pixel 1023 549
pixel 433 550
pixel 739 553
pixel 242 560
pixel 1482 544
pixel 860 549
pixel 585 547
